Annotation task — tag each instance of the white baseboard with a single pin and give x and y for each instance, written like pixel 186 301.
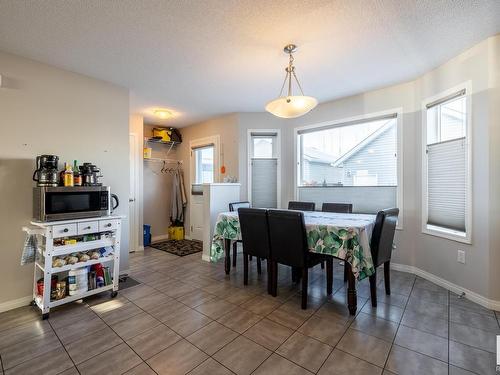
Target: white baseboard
pixel 206 258
pixel 470 295
pixel 14 304
pixel 161 237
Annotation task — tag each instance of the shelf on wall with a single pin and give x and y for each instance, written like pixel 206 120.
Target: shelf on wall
pixel 159 141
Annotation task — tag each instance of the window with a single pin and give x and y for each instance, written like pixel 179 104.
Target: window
pixel 263 169
pixel 204 164
pixel 446 167
pixel 354 161
pixel 359 154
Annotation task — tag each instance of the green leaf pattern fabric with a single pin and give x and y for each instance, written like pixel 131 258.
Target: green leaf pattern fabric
pixel 345 236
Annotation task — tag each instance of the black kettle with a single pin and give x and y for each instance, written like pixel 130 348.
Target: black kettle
pixel 116 202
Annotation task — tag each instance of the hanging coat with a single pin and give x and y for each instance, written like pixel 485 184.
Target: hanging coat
pixel 179 198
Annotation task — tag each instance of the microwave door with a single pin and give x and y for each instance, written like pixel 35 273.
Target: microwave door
pixel 73 204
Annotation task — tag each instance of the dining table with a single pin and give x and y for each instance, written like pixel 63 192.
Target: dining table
pixel 344 236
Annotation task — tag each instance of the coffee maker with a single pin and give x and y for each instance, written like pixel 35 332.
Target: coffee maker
pixel 90 174
pixel 46 170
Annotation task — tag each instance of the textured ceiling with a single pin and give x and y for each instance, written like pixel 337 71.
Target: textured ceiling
pixel 209 57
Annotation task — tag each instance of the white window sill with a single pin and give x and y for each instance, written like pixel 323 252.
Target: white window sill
pixel 448 234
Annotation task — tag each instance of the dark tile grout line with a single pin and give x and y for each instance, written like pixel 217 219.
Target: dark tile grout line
pixel 64 347
pixel 282 302
pixel 399 324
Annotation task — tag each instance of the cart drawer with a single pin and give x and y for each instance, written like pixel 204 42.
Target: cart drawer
pixel 106 225
pixel 88 227
pixel 64 230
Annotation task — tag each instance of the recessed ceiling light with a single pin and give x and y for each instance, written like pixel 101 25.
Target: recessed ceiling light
pixel 162 113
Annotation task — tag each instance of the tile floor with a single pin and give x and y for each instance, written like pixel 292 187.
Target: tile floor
pixel 186 316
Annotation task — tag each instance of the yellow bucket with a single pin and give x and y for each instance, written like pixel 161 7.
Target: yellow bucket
pixel 147 152
pixel 175 233
pixel 165 134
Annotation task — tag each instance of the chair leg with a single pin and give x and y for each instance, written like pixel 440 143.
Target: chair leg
pixel 387 277
pixel 345 271
pixel 245 269
pixel 270 278
pixel 329 276
pixel 305 277
pixel 235 250
pixel 373 288
pixel 250 258
pixel 275 278
pixel 259 266
pixel 323 265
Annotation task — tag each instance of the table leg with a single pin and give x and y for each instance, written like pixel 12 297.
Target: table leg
pixel 352 298
pixel 227 251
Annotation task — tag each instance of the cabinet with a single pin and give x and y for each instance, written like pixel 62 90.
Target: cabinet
pixel 104 233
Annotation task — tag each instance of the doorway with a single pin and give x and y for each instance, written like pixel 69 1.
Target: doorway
pixel 133 193
pixel 204 166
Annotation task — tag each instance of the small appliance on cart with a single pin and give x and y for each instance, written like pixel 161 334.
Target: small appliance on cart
pixel 76 235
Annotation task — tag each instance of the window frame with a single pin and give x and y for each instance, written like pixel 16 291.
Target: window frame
pixel 434 230
pixel 276 155
pixel 397 112
pixel 199 143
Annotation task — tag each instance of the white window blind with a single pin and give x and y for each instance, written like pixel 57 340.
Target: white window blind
pixel 264 186
pixel 447 184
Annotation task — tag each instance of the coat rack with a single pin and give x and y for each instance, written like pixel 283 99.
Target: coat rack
pixel 165 162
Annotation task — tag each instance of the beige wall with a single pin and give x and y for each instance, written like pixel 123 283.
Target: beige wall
pixel 438 256
pixel 157 188
pixel 227 128
pixel 45 110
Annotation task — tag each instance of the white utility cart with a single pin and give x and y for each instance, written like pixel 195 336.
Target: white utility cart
pixel 106 232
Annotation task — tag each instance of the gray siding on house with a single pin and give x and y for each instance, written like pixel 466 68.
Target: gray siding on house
pixel 316 173
pixel 377 157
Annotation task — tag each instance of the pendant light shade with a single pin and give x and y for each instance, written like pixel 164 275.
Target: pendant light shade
pixel 291 106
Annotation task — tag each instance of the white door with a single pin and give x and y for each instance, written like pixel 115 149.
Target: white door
pixel 204 169
pixel 132 206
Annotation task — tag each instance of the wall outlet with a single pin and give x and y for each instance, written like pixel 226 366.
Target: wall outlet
pixel 461 256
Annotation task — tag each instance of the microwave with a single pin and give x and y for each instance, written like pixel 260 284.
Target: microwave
pixel 68 203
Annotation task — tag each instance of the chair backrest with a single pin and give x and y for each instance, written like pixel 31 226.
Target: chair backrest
pixel 343 208
pixel 254 231
pixel 235 205
pixel 287 233
pixel 301 206
pixel 383 235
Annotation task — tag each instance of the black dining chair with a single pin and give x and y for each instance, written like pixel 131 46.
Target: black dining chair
pixel 301 206
pixel 288 238
pixel 255 237
pixel 381 248
pixel 234 207
pixel 342 208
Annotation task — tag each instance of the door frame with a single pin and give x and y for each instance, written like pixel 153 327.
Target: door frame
pixel 200 142
pixel 135 158
pixel 195 143
pixel 278 162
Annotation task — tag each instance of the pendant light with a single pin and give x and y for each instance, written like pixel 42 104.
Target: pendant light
pixel 291 106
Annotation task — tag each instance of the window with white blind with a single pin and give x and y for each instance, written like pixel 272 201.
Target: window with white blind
pixel 263 168
pixel 356 161
pixel 446 166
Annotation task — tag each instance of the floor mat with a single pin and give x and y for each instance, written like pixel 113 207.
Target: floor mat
pixel 179 247
pixel 127 282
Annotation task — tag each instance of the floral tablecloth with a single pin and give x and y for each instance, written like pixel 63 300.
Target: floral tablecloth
pixel 345 236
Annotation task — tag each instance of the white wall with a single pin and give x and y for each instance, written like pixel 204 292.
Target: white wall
pixel 227 128
pixel 45 110
pixel 435 255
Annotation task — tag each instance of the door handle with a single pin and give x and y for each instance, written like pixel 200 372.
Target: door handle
pixel 131 200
